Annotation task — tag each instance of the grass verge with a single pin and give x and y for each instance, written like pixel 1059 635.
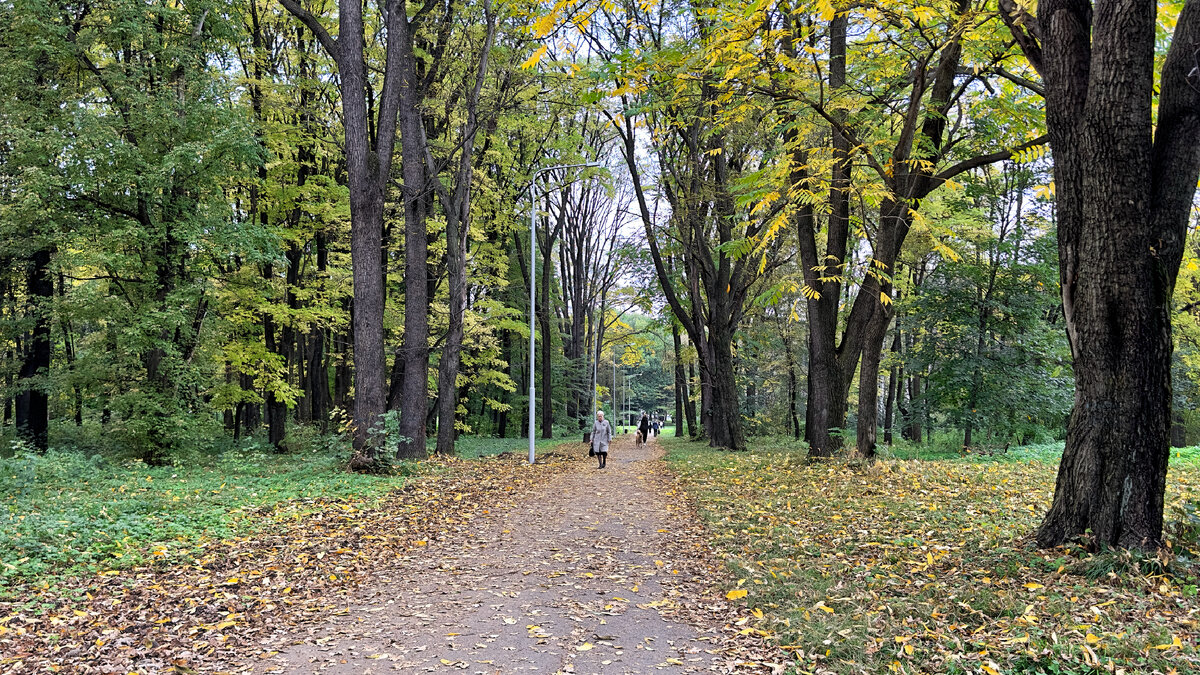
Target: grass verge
pixel 929 566
pixel 67 513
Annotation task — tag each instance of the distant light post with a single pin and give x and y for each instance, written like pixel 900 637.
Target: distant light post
pixel 616 413
pixel 533 292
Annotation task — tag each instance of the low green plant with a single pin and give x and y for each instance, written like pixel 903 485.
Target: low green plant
pixel 67 512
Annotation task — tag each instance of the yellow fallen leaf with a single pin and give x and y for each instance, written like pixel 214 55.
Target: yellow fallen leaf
pixel 1033 586
pixel 736 594
pixel 823 607
pixel 1091 639
pixel 585 647
pixel 1175 643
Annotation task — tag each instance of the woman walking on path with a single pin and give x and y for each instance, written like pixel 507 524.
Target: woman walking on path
pixel 601 435
pixel 644 427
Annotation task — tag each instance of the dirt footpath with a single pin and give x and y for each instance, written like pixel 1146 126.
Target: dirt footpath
pixel 600 571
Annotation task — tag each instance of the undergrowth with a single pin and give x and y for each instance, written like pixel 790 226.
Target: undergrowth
pixel 70 512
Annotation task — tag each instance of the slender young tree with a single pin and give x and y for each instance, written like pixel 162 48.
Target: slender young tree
pixel 457 209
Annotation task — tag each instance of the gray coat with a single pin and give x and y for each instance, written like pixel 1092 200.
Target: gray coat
pixel 602 433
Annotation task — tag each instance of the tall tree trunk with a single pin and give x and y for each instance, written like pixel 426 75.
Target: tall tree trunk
pixel 276 409
pixel 456 257
pixel 680 382
pixel 894 387
pixel 543 318
pixel 33 409
pixel 547 384
pixel 369 148
pixel 689 403
pixel 414 399
pixel 725 413
pixel 1125 183
pixel 868 384
pixel 828 378
pixel 457 209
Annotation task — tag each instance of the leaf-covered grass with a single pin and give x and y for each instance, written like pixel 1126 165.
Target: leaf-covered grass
pixel 929 566
pixel 215 611
pixel 67 513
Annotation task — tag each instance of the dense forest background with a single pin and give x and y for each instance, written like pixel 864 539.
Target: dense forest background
pixel 830 225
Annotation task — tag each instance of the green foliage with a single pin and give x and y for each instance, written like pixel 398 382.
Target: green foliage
pixel 983 327
pixel 66 512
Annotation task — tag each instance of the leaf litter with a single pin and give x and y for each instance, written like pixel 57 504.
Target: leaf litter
pixel 930 567
pixel 351 581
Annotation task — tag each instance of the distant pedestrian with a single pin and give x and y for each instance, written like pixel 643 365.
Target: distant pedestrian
pixel 657 426
pixel 644 427
pixel 602 433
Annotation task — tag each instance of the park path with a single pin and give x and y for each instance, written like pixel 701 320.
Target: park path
pixel 598 571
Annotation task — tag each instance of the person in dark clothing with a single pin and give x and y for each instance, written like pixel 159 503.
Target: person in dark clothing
pixel 644 427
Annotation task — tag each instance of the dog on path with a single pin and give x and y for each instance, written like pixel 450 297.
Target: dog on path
pixel 639 440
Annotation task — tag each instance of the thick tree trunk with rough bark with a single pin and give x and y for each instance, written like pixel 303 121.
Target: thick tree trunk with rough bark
pixel 726 424
pixel 868 384
pixel 1125 182
pixel 414 395
pixel 369 146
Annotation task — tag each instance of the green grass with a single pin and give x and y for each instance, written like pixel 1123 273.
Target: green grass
pixel 929 566
pixel 67 513
pixel 471 447
pixel 64 513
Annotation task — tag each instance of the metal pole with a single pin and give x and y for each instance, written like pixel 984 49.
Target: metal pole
pixel 595 366
pixel 533 294
pixel 532 309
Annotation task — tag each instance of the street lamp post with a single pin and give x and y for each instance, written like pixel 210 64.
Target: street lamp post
pixel 533 293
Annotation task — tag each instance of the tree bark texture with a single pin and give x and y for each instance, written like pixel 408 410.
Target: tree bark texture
pixel 369 149
pixel 680 383
pixel 1124 188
